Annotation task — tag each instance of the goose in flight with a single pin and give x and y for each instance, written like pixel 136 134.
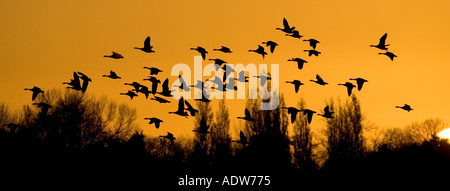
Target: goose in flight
pixel 259 50
pixel 312 42
pixel 242 77
pixel 263 79
pixel 154 120
pixel 295 34
pixel 293 112
pixel 147 47
pixel 326 113
pixel 36 91
pixel 130 93
pixel 319 80
pixel 203 128
pixel 144 89
pixel 271 44
pixel 165 89
pixel 299 61
pixel 180 111
pixel 312 52
pixel 242 139
pixel 159 99
pixel 183 84
pixel 201 50
pixel 405 107
pixel 75 82
pixel 189 108
pixel 135 85
pixel 217 62
pixel 382 43
pixel 155 83
pixel 309 114
pixel 223 49
pixel 297 84
pixel 349 86
pixel 112 75
pixel 169 136
pixel 153 70
pixel 286 28
pixel 359 82
pixel 86 81
pixel 247 116
pixel 114 55
pixel 44 108
pixel 389 54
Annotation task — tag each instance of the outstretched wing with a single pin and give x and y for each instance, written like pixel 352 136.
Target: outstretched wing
pixel 165 85
pixel 293 115
pixel 147 43
pixel 242 136
pixel 76 81
pixel 383 39
pixel 247 113
pixel 181 105
pixel 286 24
pixel 326 109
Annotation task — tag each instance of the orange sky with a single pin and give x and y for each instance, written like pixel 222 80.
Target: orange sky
pixel 43 42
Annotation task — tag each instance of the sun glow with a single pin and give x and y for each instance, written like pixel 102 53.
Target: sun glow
pixel 445 134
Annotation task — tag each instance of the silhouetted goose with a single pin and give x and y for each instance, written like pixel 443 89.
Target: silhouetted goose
pixel 360 82
pixel 406 107
pixel 130 93
pixel 86 81
pixel 205 97
pixel 327 113
pixel 180 111
pixel 293 112
pixel 319 80
pixel 36 90
pixel 227 70
pixel 389 54
pixel 155 83
pixel 219 82
pixel 242 77
pixel 169 136
pixel 312 52
pixel 201 50
pixel 135 85
pixel 349 86
pixel 286 28
pixel 144 89
pixel 247 116
pixel 75 82
pixel 198 85
pixel 183 84
pixel 153 70
pixel 203 128
pixel 114 55
pixel 112 75
pixel 160 99
pixel 165 89
pixel 218 62
pixel 154 120
pixel 295 34
pixel 189 108
pixel 259 50
pixel 223 49
pixel 382 43
pixel 230 85
pixel 299 61
pixel 44 108
pixel 262 79
pixel 297 84
pixel 309 114
pixel 147 47
pixel 312 42
pixel 271 44
pixel 242 139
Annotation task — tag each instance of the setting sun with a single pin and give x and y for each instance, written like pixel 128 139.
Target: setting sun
pixel 445 134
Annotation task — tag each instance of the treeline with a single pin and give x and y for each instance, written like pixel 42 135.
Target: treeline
pixel 77 138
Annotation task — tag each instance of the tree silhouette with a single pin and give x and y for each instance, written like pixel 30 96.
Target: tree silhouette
pixel 344 132
pixel 220 149
pixel 302 143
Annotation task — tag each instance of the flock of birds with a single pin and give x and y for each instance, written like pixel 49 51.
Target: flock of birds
pixel 81 81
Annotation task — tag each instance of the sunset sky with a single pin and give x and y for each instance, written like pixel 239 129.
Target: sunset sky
pixel 43 42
